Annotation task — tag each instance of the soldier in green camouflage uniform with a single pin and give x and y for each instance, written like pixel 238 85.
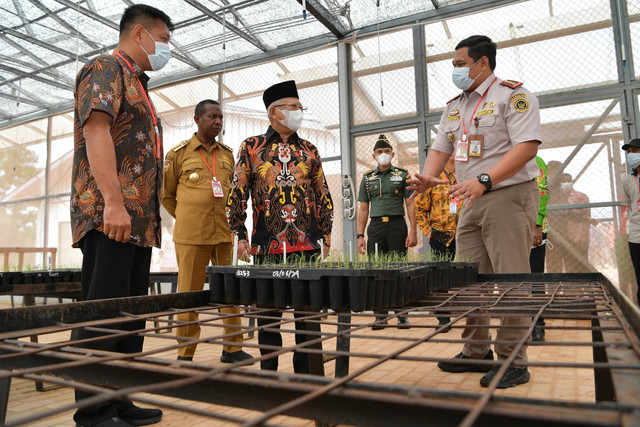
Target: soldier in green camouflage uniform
pixel 382 196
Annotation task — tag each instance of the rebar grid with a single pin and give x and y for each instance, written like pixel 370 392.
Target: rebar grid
pixel 367 351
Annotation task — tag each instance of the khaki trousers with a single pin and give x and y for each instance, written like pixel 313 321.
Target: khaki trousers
pixel 497 231
pixel 192 264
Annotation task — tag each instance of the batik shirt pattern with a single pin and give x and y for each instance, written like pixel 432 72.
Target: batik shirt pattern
pixel 107 84
pixel 289 194
pixel 432 207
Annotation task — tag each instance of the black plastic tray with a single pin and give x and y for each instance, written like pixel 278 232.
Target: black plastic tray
pixel 344 287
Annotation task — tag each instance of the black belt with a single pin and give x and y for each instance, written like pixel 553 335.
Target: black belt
pixel 387 218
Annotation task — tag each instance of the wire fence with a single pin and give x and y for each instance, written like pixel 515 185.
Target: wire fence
pixel 566 54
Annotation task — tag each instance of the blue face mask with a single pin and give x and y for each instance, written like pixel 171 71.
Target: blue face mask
pixel 461 77
pixel 633 160
pixel 161 57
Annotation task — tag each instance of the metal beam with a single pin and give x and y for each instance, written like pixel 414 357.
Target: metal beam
pixel 325 17
pixel 35 76
pixel 347 148
pixel 51 73
pixel 90 14
pixel 73 31
pixel 24 50
pixel 254 41
pixel 41 43
pixel 25 21
pixel 233 10
pixel 21 99
pixel 446 12
pixel 586 137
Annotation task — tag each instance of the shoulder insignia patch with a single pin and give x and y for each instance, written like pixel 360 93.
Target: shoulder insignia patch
pixel 369 172
pixel 225 146
pixel 454 98
pixel 180 146
pixel 401 169
pixel 511 83
pixel 521 105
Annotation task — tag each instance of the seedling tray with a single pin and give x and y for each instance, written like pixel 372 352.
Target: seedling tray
pixel 336 286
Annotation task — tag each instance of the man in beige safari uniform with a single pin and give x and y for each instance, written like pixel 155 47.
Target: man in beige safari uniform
pixel 197 174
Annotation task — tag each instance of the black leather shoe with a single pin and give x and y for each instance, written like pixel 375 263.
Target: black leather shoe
pixel 234 357
pixel 538 334
pixel 469 367
pixel 512 378
pixel 403 323
pixel 186 358
pixel 379 325
pixel 442 321
pixel 111 422
pixel 139 416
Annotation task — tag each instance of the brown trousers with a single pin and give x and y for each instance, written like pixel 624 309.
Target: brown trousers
pixel 192 271
pixel 497 231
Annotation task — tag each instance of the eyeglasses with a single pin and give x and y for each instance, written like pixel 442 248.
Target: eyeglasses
pixel 292 107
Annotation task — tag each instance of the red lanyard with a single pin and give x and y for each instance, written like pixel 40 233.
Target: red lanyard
pixel 153 114
pixel 213 171
pixel 464 128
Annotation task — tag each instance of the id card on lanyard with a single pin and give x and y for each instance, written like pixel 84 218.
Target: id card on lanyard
pixel 216 186
pixel 153 113
pixel 462 148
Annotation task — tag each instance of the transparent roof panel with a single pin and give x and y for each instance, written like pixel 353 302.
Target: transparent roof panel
pixel 40 40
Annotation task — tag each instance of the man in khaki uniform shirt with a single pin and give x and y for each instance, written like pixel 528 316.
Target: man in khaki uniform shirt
pixel 493 129
pixel 197 174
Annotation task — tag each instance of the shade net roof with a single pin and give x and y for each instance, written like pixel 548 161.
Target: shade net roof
pixel 43 43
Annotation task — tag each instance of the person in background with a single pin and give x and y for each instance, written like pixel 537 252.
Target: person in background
pixel 537 255
pixel 117 186
pixel 383 195
pixel 437 216
pixel 631 198
pixel 292 206
pixel 197 175
pixel 579 228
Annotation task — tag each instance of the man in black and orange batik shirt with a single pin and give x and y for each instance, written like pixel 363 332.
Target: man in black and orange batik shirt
pixel 117 185
pixel 292 207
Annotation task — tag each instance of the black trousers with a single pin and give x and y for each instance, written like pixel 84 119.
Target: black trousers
pixel 111 270
pixel 391 237
pixel 536 262
pixel 300 360
pixel 634 249
pixel 447 252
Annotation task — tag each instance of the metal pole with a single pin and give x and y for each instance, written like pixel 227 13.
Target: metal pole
pixel 46 191
pixel 347 149
pixel 579 146
pixel 422 103
pixel 629 112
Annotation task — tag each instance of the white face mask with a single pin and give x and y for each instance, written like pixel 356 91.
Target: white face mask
pixel 383 159
pixel 461 79
pixel 292 119
pixel 162 55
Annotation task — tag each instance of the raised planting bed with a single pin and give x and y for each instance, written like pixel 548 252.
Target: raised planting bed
pixel 355 287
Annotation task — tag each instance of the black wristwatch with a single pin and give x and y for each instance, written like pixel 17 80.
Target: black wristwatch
pixel 485 179
pixel 359 236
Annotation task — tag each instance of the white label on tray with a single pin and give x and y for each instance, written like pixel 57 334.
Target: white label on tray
pixel 290 274
pixel 243 273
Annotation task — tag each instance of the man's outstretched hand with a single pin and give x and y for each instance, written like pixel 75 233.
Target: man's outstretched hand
pixel 421 183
